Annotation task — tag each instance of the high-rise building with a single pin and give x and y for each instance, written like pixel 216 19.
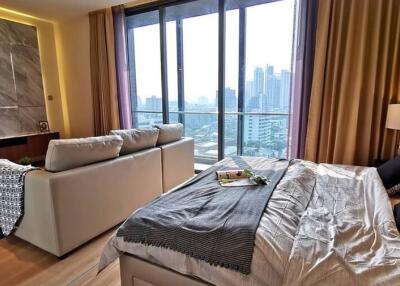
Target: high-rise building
pixel 230 100
pixel 154 103
pixel 249 92
pixel 276 92
pixel 267 102
pixel 258 86
pixel 285 90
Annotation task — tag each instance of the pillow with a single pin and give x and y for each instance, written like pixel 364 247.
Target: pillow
pixel 390 172
pixel 169 133
pixel 66 154
pixel 136 139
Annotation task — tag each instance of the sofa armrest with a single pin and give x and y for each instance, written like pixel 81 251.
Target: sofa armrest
pixel 177 162
pixel 38 223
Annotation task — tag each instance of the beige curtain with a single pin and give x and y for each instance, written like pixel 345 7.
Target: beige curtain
pixel 356 76
pixel 103 73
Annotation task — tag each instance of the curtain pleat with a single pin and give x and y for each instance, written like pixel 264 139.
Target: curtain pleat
pixel 103 72
pixel 121 60
pixel 356 76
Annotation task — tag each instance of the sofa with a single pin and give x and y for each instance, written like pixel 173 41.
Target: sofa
pixel 82 192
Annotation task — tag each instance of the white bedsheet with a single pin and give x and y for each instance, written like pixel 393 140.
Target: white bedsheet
pixel 324 224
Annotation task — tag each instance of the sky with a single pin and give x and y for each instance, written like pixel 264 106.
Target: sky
pixel 269 33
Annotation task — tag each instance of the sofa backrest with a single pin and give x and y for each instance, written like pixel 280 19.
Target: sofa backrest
pixel 65 209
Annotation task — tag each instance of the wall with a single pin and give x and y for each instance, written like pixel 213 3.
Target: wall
pixel 73 46
pixel 73 49
pixel 65 62
pixel 49 66
pixel 65 59
pixel 22 104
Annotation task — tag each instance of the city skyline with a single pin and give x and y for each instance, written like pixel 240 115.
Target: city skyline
pixel 264 135
pixel 267 91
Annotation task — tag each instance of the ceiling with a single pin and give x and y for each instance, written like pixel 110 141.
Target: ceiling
pixel 58 10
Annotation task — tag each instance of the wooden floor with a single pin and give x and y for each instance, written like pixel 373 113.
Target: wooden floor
pixel 24 264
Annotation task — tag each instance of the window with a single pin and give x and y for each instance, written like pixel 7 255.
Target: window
pixel 145 69
pixel 192 60
pixel 176 65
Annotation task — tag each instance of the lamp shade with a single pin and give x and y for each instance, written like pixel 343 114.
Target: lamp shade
pixel 393 117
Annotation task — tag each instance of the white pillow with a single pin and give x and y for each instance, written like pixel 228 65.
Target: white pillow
pixel 169 133
pixel 136 139
pixel 66 154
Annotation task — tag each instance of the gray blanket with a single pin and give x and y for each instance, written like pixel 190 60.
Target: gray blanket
pixel 11 195
pixel 207 221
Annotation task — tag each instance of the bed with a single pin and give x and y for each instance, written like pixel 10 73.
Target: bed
pixel 323 225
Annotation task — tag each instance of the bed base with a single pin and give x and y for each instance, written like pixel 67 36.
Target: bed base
pixel 136 271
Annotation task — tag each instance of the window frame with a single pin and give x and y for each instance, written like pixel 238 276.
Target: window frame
pixel 161 6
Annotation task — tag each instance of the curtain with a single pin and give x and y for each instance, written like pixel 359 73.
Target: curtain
pixel 356 76
pixel 103 72
pixel 121 59
pixel 304 67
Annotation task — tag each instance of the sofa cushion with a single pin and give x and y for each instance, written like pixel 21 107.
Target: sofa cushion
pixel 65 154
pixel 136 139
pixel 169 133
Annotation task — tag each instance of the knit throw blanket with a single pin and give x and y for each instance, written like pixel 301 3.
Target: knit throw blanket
pixel 207 221
pixel 12 180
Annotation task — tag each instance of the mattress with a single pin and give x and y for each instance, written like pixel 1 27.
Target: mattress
pixel 324 224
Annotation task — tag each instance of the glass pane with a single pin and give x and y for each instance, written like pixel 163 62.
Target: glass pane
pixel 145 67
pixel 204 129
pixel 148 120
pixel 194 38
pixel 231 81
pixel 173 117
pixel 231 60
pixel 231 125
pixel 200 56
pixel 269 57
pixel 265 135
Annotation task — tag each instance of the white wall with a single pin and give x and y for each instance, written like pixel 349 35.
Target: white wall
pixel 73 49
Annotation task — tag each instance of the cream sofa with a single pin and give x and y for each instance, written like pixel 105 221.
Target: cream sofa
pixel 65 209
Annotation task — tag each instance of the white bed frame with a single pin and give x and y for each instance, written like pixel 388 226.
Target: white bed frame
pixel 136 271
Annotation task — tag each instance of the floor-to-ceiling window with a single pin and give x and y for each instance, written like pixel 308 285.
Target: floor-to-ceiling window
pixel 143 38
pixel 177 57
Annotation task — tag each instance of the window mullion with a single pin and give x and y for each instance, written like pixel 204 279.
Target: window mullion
pixel 241 78
pixel 221 78
pixel 180 71
pixel 132 75
pixel 164 69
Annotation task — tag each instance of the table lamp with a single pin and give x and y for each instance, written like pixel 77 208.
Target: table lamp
pixel 393 121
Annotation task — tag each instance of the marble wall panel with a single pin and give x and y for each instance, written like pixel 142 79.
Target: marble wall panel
pixel 21 83
pixel 18 34
pixel 8 96
pixel 9 122
pixel 28 77
pixel 29 118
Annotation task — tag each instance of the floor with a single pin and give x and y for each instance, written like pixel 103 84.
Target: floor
pixel 24 264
